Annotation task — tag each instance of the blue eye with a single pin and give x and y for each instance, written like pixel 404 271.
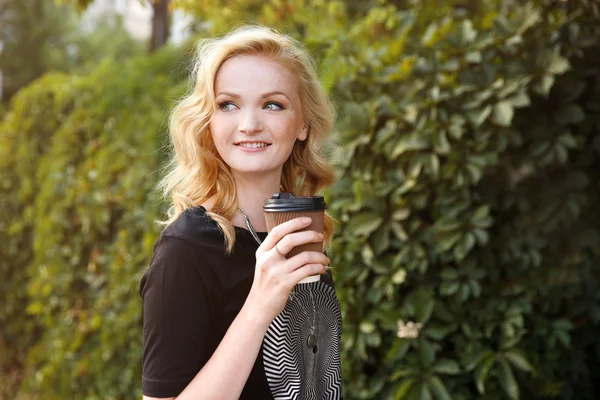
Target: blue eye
pixel 226 106
pixel 270 105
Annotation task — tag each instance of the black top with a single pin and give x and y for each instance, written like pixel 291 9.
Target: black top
pixel 192 292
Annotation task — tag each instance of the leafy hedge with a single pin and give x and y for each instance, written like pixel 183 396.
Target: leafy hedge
pixel 466 194
pixel 469 250
pixel 79 158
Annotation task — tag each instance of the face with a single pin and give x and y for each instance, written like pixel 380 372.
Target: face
pixel 257 101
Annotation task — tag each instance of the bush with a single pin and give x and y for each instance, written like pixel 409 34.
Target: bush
pixel 79 160
pixel 469 246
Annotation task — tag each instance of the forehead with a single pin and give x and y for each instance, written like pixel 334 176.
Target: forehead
pixel 255 74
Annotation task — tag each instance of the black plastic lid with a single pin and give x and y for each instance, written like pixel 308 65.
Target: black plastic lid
pixel 286 201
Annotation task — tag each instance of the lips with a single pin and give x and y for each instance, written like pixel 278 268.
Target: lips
pixel 261 145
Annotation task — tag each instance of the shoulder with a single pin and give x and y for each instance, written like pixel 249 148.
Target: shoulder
pixel 195 228
pixel 186 251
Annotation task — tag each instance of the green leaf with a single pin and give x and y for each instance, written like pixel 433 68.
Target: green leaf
pixel 473 57
pixel 448 241
pixel 446 367
pixel 398 350
pixel 480 213
pixel 464 246
pixel 449 274
pixel 399 231
pixel 570 114
pixel 482 371
pixel 507 380
pixel 466 32
pixel 401 214
pixel 446 224
pixel 521 99
pixel 449 288
pixel 380 240
pixel 35 308
pixel 518 360
pixel 434 166
pixel 564 337
pixel 567 140
pixel 477 117
pixel 364 223
pixel 426 352
pixel 473 359
pixel 367 327
pixel 437 331
pixel 544 85
pixel 558 65
pixel 409 143
pixel 423 308
pixel 403 373
pixel 481 235
pixel 399 276
pixel 439 389
pixel 503 113
pixel 425 393
pixel 441 143
pixel 403 388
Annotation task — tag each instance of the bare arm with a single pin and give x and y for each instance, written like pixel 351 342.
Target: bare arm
pixel 225 374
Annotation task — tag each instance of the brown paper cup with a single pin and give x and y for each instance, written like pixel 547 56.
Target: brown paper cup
pixel 275 218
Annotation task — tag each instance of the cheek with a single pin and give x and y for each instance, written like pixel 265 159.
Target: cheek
pixel 219 127
pixel 284 128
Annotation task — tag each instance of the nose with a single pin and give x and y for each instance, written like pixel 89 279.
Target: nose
pixel 250 122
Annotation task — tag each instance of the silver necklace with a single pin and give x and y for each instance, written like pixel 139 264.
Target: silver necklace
pixel 250 227
pixel 311 340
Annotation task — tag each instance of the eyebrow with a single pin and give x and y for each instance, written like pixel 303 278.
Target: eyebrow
pixel 265 95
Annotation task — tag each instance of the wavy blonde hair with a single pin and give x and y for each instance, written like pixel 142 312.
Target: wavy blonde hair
pixel 196 171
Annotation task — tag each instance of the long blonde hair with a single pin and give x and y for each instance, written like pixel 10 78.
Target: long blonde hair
pixel 196 171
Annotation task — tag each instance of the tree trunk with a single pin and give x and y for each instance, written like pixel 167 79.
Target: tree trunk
pixel 161 22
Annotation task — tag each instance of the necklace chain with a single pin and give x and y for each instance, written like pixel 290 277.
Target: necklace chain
pixel 311 340
pixel 250 227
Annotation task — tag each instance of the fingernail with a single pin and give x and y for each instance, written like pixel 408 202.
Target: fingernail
pixel 306 220
pixel 321 235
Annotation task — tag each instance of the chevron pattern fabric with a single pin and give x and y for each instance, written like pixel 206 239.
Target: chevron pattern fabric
pixel 293 369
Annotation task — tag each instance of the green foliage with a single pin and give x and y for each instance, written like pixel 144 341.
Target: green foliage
pixel 468 247
pixel 467 203
pixel 79 158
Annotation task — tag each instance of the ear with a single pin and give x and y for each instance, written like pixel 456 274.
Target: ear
pixel 304 132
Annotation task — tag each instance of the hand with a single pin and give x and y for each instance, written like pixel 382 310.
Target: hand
pixel 274 275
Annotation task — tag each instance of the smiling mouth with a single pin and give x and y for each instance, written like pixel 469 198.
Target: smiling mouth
pixel 253 146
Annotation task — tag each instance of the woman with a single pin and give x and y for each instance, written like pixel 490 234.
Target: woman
pixel 224 315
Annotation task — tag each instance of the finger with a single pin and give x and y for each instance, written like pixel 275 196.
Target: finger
pixel 295 239
pixel 305 257
pixel 306 271
pixel 278 232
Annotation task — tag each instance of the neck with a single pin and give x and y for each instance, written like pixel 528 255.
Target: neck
pixel 251 194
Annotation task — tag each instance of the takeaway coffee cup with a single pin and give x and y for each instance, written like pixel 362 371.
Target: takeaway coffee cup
pixel 285 206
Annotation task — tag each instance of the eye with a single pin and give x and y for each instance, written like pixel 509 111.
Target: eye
pixel 226 106
pixel 273 106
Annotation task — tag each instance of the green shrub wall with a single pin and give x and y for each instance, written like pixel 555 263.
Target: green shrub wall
pixel 467 250
pixel 79 159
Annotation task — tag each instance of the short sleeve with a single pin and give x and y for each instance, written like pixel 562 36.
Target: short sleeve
pixel 178 306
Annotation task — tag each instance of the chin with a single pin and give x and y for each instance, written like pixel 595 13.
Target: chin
pixel 246 169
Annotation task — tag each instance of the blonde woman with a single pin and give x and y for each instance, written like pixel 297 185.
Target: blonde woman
pixel 219 320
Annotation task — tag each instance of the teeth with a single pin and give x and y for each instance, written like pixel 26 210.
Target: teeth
pixel 252 145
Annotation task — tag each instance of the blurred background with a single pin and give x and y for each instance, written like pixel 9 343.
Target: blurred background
pixel 467 244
